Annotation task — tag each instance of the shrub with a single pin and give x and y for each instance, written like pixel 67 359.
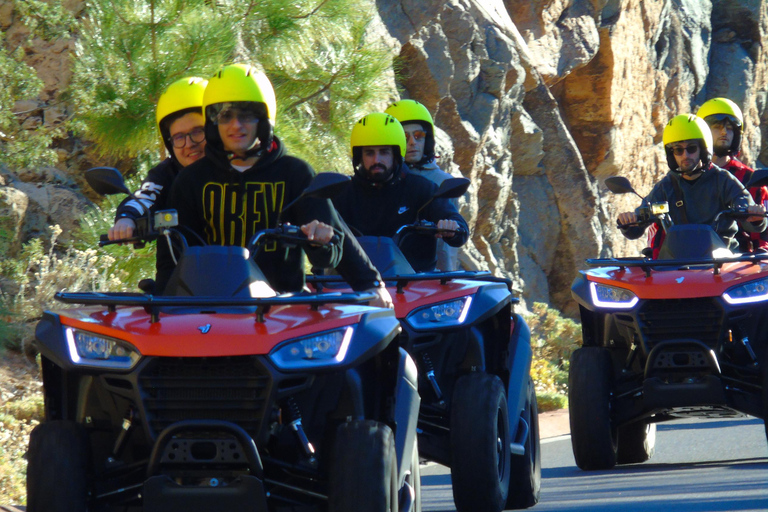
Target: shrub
pixel 553 339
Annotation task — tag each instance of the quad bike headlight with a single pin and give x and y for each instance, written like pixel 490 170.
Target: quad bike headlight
pixel 753 291
pixel 319 350
pixel 605 296
pixel 445 314
pixel 90 349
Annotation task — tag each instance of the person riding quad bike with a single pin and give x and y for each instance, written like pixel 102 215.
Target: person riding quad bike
pixel 695 189
pixel 726 121
pixel 224 394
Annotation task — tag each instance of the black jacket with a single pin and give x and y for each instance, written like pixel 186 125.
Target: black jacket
pixel 381 209
pixel 226 207
pixel 153 195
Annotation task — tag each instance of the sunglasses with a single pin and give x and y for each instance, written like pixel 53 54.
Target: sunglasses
pixel 196 136
pixel 679 150
pixel 417 135
pixel 243 116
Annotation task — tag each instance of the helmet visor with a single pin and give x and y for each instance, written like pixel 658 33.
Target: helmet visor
pixel 244 111
pixel 719 118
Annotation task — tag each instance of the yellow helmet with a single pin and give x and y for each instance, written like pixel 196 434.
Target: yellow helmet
pixel 240 83
pixel 377 129
pixel 687 127
pixel 181 97
pixel 411 111
pixel 719 109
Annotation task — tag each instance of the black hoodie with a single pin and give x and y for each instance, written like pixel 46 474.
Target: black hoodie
pixel 226 207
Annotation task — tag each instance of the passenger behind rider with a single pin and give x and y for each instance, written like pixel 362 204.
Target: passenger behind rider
pixel 383 196
pixel 725 120
pixel 695 188
pixel 421 159
pixel 179 118
pixel 245 179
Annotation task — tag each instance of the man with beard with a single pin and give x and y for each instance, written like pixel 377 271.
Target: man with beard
pixel 727 124
pixel 384 196
pixel 695 188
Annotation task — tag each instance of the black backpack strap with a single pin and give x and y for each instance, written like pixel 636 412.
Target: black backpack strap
pixel 679 198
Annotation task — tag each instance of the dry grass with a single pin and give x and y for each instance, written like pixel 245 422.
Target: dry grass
pixel 21 408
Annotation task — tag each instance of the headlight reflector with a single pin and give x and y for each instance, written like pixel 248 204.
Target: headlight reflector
pixel 753 291
pixel 445 314
pixel 91 349
pixel 606 296
pixel 323 349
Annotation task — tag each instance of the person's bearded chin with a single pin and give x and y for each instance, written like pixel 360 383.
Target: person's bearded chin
pixel 378 176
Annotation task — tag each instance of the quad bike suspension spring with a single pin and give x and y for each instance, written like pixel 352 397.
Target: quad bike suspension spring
pixel 293 419
pixel 122 437
pixel 430 373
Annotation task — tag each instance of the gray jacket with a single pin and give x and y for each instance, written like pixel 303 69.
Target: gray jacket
pixel 714 191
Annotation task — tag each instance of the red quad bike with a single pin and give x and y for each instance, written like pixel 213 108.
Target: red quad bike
pixel 223 395
pixel 680 336
pixel 478 411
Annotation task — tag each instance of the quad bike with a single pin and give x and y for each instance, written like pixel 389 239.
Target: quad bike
pixel 478 412
pixel 222 394
pixel 683 335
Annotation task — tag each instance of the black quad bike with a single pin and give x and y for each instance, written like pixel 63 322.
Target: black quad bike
pixel 683 335
pixel 478 412
pixel 222 394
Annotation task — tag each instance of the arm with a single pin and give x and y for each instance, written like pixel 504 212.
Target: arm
pixel 441 211
pixel 150 197
pixel 738 196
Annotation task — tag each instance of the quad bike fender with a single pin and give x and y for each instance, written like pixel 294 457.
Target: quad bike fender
pixel 49 340
pixel 518 387
pixel 488 301
pixel 580 291
pixel 406 412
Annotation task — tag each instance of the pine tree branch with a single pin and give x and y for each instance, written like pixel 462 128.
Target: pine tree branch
pixel 311 13
pixel 314 94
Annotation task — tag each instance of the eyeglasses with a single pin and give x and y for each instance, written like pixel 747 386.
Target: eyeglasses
pixel 678 150
pixel 197 135
pixel 416 135
pixel 243 116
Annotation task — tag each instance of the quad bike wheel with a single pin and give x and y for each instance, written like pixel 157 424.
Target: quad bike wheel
pixel 637 442
pixel 480 437
pixel 58 461
pixel 525 481
pixel 593 436
pixel 363 469
pixel 765 397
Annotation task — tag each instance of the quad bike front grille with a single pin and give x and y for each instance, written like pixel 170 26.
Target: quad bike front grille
pixel 222 388
pixel 698 319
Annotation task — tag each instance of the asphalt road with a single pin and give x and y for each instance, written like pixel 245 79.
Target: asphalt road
pixel 699 466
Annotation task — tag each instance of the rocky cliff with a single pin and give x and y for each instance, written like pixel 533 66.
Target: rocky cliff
pixel 535 101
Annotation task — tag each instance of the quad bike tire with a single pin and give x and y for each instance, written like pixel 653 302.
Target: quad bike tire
pixel 480 438
pixel 363 469
pixel 765 397
pixel 525 479
pixel 57 470
pixel 593 435
pixel 637 443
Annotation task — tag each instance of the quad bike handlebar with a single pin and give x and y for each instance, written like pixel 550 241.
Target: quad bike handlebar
pixel 425 227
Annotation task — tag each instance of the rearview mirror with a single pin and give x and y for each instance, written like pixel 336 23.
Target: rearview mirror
pixel 452 187
pixel 106 181
pixel 619 185
pixel 759 178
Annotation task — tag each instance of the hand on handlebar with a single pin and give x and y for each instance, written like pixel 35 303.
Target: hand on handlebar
pixel 318 232
pixel 383 298
pixel 449 227
pixel 626 219
pixel 122 229
pixel 758 211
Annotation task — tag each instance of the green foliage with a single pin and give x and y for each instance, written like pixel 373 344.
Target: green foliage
pixel 127 54
pixel 47 20
pixel 326 69
pixel 20 147
pixel 553 339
